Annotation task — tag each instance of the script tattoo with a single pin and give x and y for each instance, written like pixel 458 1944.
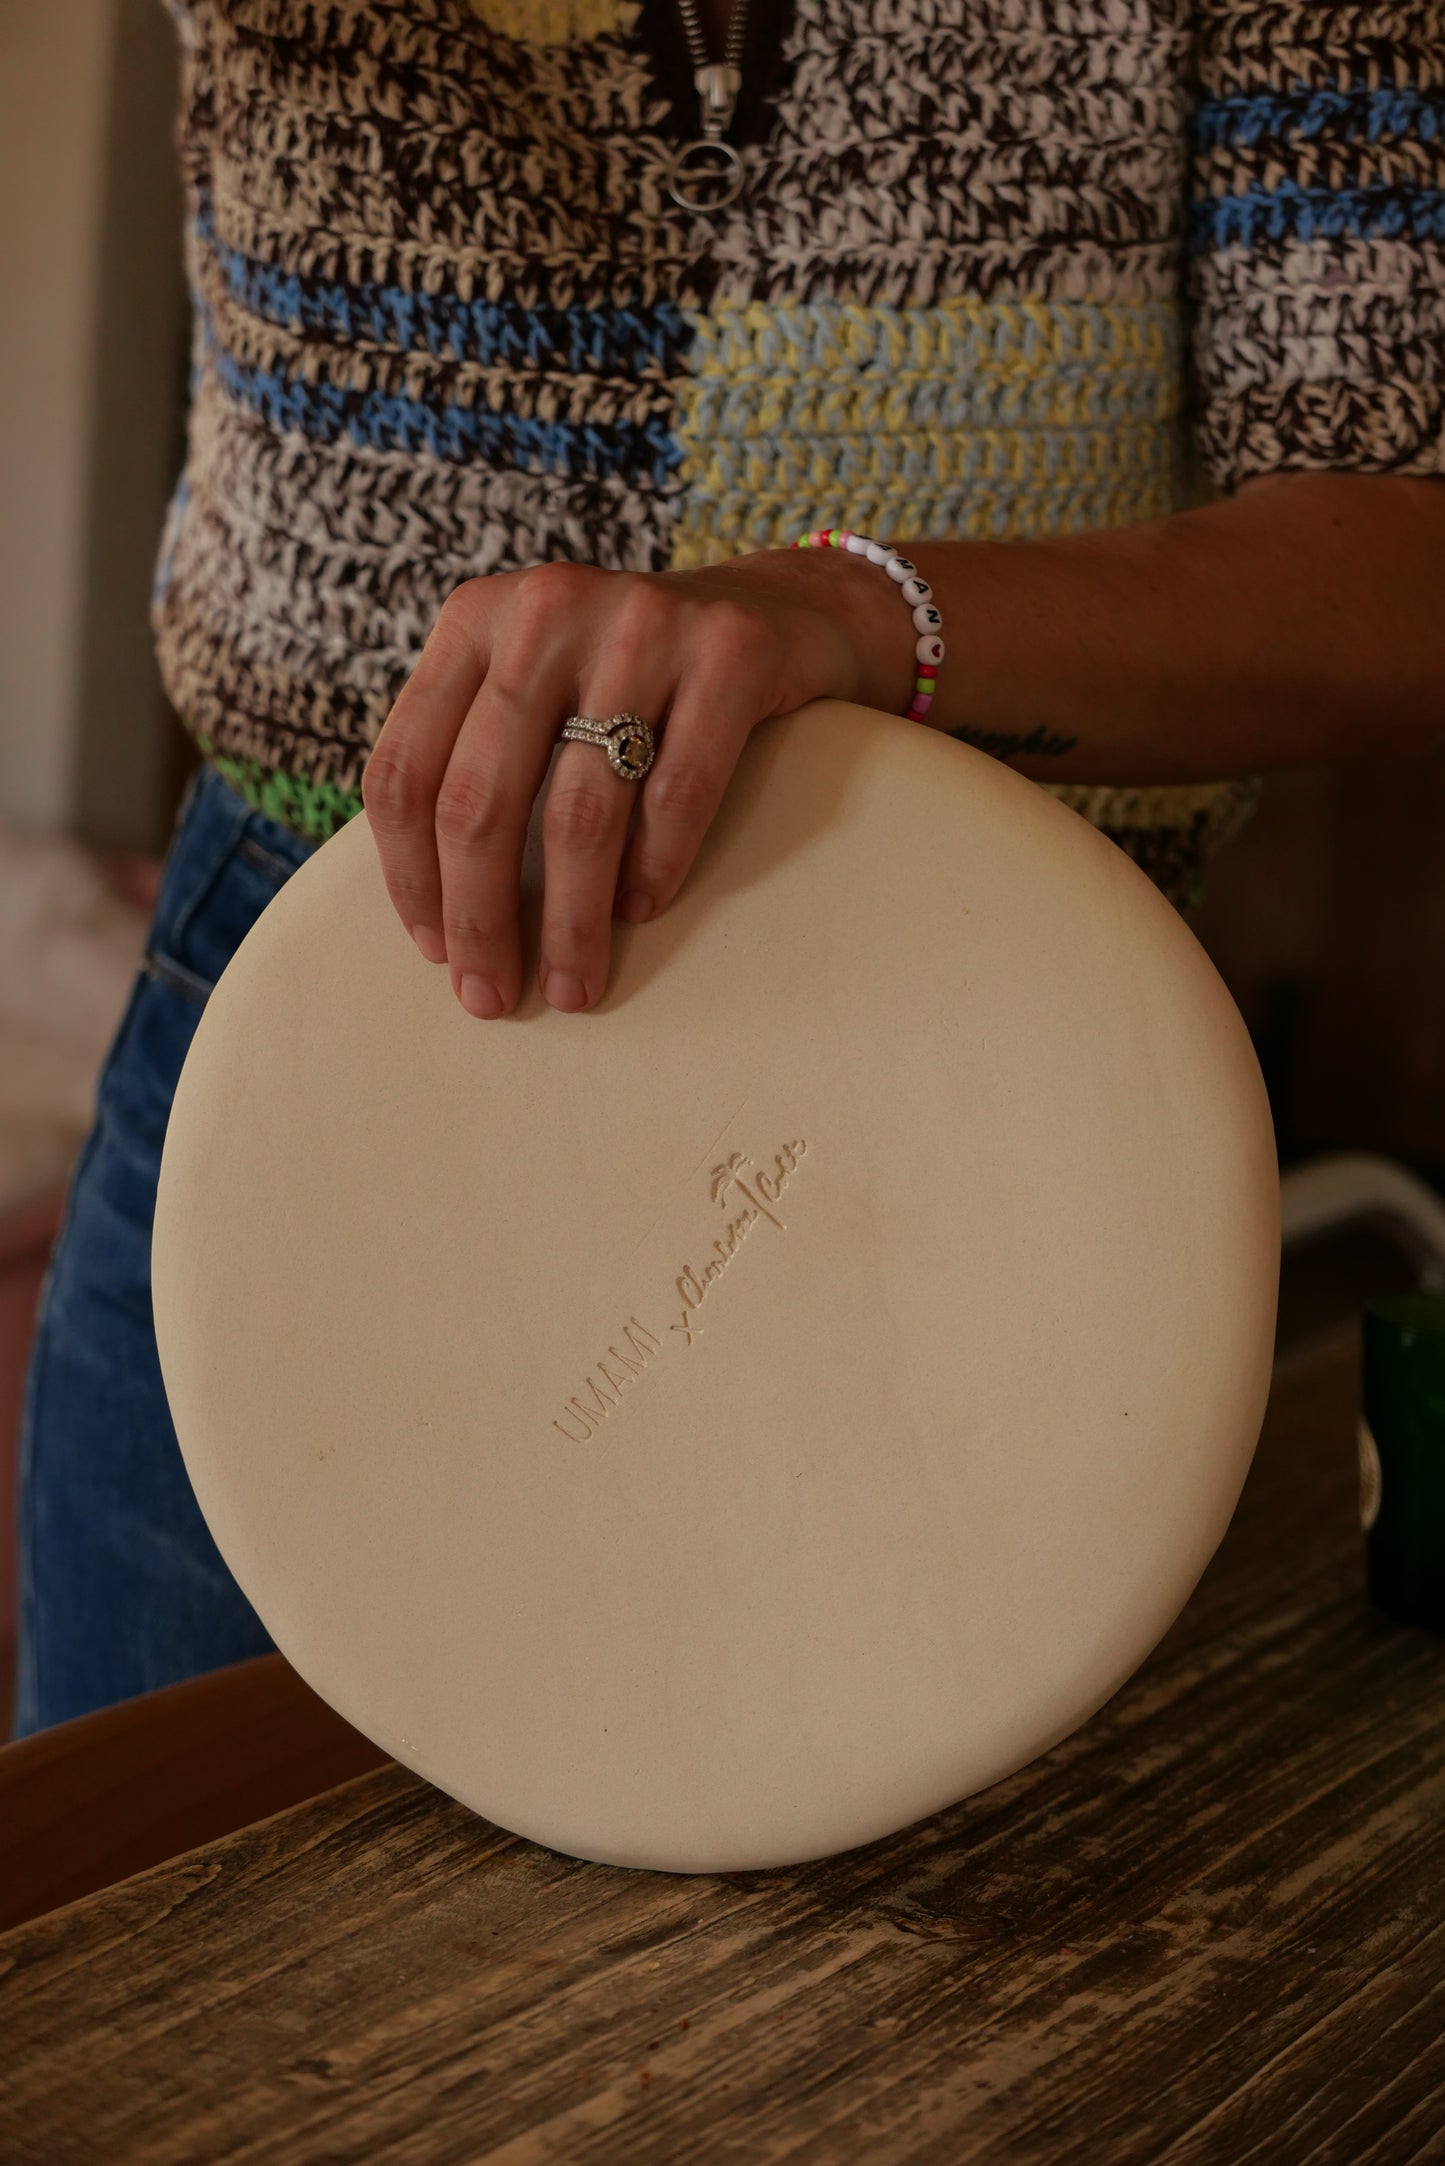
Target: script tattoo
pixel 1037 744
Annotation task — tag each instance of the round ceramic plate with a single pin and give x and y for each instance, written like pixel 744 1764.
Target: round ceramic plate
pixel 719 1428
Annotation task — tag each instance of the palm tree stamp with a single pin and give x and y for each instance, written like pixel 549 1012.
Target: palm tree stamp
pixel 759 1193
pixel 726 1176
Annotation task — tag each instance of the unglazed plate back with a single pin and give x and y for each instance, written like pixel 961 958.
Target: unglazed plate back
pixel 719 1428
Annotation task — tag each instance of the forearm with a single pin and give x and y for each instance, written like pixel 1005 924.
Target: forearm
pixel 1299 622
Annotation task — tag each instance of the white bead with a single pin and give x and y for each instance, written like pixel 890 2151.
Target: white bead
pixel 878 553
pixel 917 590
pixel 900 569
pixel 927 619
pixel 929 648
pixel 858 545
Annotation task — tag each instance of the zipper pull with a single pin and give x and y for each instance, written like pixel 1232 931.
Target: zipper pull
pixel 718 88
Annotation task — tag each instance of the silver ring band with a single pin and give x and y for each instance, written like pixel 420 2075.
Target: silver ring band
pixel 627 740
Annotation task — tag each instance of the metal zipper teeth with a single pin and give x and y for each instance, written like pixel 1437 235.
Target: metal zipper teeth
pixel 697 43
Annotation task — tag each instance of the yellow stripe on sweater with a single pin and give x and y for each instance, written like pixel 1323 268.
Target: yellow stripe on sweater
pixel 999 418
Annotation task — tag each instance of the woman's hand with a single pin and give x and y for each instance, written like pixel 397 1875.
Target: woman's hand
pixel 703 656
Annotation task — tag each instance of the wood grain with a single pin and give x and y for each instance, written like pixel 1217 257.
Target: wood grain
pixel 1210 1926
pixel 89 1802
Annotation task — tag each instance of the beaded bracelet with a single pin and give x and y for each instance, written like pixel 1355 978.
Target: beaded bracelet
pixel 917 593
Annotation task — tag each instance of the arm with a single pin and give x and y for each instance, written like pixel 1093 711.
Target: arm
pixel 1299 622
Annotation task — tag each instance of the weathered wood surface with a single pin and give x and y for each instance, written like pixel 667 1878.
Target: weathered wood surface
pixel 89 1802
pixel 1210 1926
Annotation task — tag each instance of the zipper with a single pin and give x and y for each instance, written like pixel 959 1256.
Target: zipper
pixel 764 33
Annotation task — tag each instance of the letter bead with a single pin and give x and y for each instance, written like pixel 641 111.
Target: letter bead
pixel 916 592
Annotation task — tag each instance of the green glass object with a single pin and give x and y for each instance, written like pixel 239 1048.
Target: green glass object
pixel 1402 1456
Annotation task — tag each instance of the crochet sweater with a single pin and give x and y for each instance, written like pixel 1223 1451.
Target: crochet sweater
pixel 999 268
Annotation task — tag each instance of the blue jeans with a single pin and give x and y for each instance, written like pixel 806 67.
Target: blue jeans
pixel 121 1587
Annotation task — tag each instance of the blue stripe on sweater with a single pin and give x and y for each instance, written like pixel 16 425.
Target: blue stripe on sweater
pixel 389 421
pixel 614 339
pixel 1372 116
pixel 1307 214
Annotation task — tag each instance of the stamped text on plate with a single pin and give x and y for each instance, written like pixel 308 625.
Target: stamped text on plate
pixel 729 1184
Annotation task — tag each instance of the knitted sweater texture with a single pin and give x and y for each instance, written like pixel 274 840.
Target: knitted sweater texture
pixel 1000 268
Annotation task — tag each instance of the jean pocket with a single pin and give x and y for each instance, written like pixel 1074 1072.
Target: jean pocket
pixel 226 865
pixel 138 1079
pixel 167 971
pixel 144 1066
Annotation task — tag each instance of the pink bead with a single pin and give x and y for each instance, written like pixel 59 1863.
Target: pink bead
pixel 922 701
pixel 842 536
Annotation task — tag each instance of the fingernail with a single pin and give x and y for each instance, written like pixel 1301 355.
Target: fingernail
pixel 481 997
pixel 635 906
pixel 430 942
pixel 565 991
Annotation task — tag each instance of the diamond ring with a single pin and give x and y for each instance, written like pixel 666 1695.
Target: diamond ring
pixel 627 740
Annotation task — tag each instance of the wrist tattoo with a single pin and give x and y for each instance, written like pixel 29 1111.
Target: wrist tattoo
pixel 1038 743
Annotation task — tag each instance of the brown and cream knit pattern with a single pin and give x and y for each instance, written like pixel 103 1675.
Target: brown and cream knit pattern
pixel 1000 267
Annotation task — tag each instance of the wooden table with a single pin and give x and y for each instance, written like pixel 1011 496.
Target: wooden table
pixel 1210 1926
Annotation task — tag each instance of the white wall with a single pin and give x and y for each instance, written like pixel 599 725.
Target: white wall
pixel 54 71
pixel 92 330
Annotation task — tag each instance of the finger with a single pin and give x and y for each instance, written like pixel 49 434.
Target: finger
pixel 497 766
pixel 721 699
pixel 400 781
pixel 585 821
